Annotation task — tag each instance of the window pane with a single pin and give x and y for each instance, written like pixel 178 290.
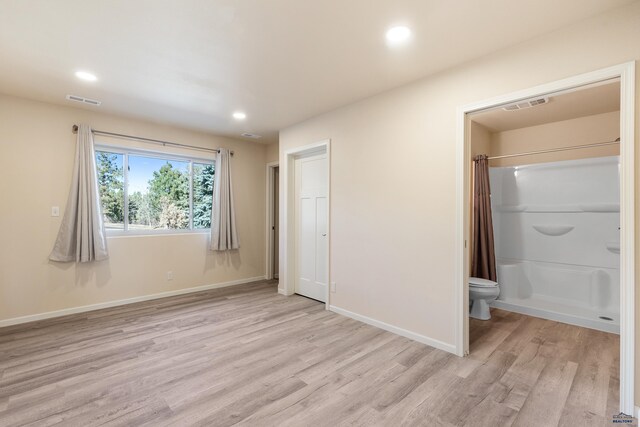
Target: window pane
pixel 202 195
pixel 109 167
pixel 158 193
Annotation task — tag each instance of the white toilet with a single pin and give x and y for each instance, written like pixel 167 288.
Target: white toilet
pixel 481 293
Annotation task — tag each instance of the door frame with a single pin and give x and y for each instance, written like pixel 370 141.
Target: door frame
pixel 288 247
pixel 626 73
pixel 269 238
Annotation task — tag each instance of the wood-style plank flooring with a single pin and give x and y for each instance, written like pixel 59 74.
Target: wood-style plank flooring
pixel 247 356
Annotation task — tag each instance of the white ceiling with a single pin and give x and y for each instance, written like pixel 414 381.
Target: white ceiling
pixel 193 62
pixel 597 99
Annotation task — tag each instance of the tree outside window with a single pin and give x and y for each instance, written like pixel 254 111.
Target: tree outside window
pixel 161 193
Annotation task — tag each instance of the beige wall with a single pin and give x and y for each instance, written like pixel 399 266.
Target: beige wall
pixel 479 140
pixel 580 131
pixel 393 171
pixel 36 159
pixel 272 152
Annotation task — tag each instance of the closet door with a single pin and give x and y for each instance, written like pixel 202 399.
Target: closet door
pixel 311 227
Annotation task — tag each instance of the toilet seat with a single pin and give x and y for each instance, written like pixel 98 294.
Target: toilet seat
pixel 477 282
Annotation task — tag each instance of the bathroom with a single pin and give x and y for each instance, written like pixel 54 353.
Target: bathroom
pixel 553 211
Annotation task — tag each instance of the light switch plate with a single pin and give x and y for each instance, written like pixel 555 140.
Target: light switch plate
pixel 55 211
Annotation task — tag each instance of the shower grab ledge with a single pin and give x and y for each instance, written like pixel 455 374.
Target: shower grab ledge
pixel 586 207
pixel 600 207
pixel 553 208
pixel 553 230
pixel 511 208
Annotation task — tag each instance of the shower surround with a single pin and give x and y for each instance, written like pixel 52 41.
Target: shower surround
pixel 557 242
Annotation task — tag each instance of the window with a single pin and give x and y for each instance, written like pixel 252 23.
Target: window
pixel 143 192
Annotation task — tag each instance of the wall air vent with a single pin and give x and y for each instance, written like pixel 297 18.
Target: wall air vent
pixel 251 135
pixel 526 104
pixel 84 100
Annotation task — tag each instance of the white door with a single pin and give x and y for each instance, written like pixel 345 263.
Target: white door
pixel 311 227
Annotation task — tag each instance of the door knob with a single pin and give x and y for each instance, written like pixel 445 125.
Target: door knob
pixel 324 234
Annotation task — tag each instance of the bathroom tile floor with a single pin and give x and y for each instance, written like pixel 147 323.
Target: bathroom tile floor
pixel 247 356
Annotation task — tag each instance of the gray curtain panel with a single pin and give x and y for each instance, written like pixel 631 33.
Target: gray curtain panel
pixel 483 255
pixel 224 235
pixel 82 236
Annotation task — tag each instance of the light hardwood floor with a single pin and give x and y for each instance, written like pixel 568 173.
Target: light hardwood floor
pixel 247 356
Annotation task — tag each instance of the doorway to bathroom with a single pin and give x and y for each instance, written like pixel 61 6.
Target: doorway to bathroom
pixel 559 161
pixel 553 208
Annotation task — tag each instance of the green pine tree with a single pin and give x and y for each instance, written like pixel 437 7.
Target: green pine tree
pixel 168 194
pixel 202 195
pixel 110 186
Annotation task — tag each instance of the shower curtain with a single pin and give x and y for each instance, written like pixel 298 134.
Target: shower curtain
pixel 483 257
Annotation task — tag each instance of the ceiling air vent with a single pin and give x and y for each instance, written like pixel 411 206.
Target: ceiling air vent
pixel 84 100
pixel 251 135
pixel 526 104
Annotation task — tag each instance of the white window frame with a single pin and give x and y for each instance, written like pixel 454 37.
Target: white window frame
pixel 126 152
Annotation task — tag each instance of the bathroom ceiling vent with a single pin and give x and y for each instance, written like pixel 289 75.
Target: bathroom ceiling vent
pixel 526 104
pixel 84 100
pixel 251 135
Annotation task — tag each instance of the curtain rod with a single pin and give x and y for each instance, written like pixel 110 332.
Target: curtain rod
pixel 553 150
pixel 149 140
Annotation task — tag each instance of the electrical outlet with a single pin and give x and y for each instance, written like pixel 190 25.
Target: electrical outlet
pixel 333 287
pixel 169 275
pixel 55 211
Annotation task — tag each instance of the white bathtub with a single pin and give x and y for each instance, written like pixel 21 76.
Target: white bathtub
pixel 556 228
pixel 583 296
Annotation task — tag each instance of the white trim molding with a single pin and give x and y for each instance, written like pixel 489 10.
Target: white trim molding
pixel 116 303
pixel 395 329
pixel 270 194
pixel 626 74
pixel 627 237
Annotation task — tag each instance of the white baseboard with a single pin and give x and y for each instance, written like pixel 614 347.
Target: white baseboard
pixel 116 303
pixel 396 330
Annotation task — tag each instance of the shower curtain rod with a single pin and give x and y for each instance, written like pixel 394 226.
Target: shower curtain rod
pixel 148 140
pixel 553 150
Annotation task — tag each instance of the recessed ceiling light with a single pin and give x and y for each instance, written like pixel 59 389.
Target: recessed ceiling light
pixel 239 115
pixel 84 75
pixel 399 34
